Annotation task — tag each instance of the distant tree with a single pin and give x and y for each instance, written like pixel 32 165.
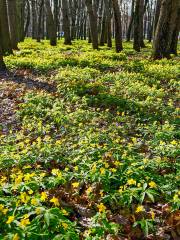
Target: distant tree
pixel 165 28
pixel 66 22
pixel 128 35
pixel 51 27
pixel 107 4
pixel 93 23
pixel 118 26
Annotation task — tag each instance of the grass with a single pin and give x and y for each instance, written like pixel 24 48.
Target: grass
pixel 98 157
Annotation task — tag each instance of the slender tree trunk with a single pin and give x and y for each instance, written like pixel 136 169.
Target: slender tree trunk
pixel 39 21
pixel 118 26
pixel 93 23
pixel 164 30
pixel 128 36
pixel 27 19
pixel 4 25
pixel 66 23
pixel 107 4
pixel 137 25
pixel 50 24
pixel 34 19
pixel 103 28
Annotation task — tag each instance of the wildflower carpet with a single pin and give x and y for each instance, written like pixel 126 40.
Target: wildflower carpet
pixel 88 144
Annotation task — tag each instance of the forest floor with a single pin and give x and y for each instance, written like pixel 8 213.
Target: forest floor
pixel 89 144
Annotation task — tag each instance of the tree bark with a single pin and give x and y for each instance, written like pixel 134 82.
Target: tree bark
pixel 118 26
pixel 39 21
pixel 107 4
pixel 66 22
pixel 93 23
pixel 175 35
pixel 164 30
pixel 138 25
pixel 4 25
pixel 12 16
pixel 128 36
pixel 156 18
pixel 50 24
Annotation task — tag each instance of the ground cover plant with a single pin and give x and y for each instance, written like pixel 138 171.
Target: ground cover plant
pixel 89 144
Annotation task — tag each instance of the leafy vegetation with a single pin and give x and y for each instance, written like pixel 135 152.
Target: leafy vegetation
pixel 97 157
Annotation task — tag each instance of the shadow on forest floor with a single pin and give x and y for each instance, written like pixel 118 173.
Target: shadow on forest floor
pixel 29 80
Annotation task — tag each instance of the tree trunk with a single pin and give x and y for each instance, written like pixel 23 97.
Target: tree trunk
pixel 164 30
pixel 175 35
pixel 156 18
pixel 138 25
pixel 50 24
pixel 118 26
pixel 103 28
pixel 12 14
pixel 142 12
pixel 128 36
pixel 4 25
pixel 66 23
pixel 93 23
pixel 39 21
pixel 27 19
pixel 107 4
pixel 34 19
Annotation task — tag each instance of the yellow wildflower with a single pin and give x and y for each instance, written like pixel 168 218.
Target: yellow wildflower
pixel 65 212
pixel 131 181
pixel 140 209
pixel 42 175
pixel 38 210
pixel 56 172
pixel 101 193
pixel 10 219
pixel 65 225
pixel 34 201
pixel 24 197
pixel 101 207
pixel 152 215
pixel 5 210
pixel 43 196
pixel 75 184
pixel 174 142
pixel 16 237
pixel 102 171
pixel 145 160
pixel 24 222
pixel 30 191
pixel 152 184
pixel 89 190
pixel 1 207
pixel 55 201
pixel 76 168
pixel 113 170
